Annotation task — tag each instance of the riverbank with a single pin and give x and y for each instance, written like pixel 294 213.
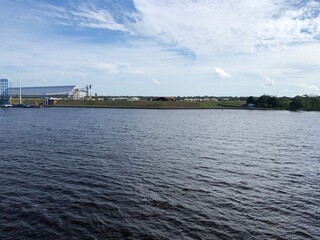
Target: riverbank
pixel 145 104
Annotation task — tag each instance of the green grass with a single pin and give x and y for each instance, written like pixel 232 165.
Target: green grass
pixel 27 101
pixel 150 104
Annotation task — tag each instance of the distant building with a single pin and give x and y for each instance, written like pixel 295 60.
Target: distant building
pixel 119 98
pixel 46 91
pixel 134 99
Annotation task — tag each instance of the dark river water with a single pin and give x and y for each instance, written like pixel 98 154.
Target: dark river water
pixel 71 173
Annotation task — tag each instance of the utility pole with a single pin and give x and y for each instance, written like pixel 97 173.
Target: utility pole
pixel 20 100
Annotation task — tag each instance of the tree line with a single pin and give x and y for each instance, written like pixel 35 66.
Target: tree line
pixel 305 102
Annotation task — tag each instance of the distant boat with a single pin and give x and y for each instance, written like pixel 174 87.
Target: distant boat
pixel 24 105
pixel 6 106
pixel 21 105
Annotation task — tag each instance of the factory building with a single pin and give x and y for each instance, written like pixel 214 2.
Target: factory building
pixel 70 91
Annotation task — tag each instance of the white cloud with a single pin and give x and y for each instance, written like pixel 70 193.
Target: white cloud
pixel 93 18
pixel 86 15
pixel 204 26
pixel 269 82
pixel 221 73
pixel 125 67
pixel 111 68
pixel 156 81
pixel 310 87
pixel 313 87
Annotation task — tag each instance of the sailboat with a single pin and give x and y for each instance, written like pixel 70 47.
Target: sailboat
pixel 6 105
pixel 25 105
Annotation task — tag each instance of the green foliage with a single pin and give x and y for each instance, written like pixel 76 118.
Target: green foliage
pixel 272 102
pixel 251 100
pixel 262 101
pixel 305 103
pixel 297 103
pixel 315 102
pixel 283 103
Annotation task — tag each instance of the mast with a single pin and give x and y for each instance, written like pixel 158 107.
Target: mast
pixel 20 101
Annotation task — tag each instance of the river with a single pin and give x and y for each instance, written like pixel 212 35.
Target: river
pixel 77 173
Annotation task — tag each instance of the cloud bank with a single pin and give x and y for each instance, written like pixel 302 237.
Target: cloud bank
pixel 234 26
pixel 202 26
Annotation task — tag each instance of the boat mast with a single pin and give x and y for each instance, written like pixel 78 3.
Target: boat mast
pixel 20 101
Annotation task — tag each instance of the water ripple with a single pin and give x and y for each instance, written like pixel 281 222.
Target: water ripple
pixel 148 174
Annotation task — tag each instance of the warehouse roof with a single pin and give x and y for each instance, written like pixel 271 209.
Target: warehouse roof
pixel 43 91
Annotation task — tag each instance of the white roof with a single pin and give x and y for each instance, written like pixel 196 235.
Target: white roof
pixel 43 91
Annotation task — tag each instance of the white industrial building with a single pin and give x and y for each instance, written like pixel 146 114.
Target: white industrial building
pixel 70 91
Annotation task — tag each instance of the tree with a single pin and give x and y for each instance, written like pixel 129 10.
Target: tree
pixel 272 102
pixel 262 101
pixel 315 101
pixel 251 100
pixel 297 103
pixel 283 102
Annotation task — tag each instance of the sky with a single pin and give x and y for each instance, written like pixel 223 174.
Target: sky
pixel 163 47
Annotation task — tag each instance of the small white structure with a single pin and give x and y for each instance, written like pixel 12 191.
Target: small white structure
pixel 134 99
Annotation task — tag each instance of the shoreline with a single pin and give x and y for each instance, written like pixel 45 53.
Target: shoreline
pixel 146 104
pixel 159 108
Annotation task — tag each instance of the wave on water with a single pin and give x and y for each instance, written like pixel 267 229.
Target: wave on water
pixel 151 174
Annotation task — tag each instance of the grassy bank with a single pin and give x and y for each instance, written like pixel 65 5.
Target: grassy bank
pixel 151 104
pixel 35 101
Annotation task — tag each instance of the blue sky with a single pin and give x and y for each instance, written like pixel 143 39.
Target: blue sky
pixel 164 47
